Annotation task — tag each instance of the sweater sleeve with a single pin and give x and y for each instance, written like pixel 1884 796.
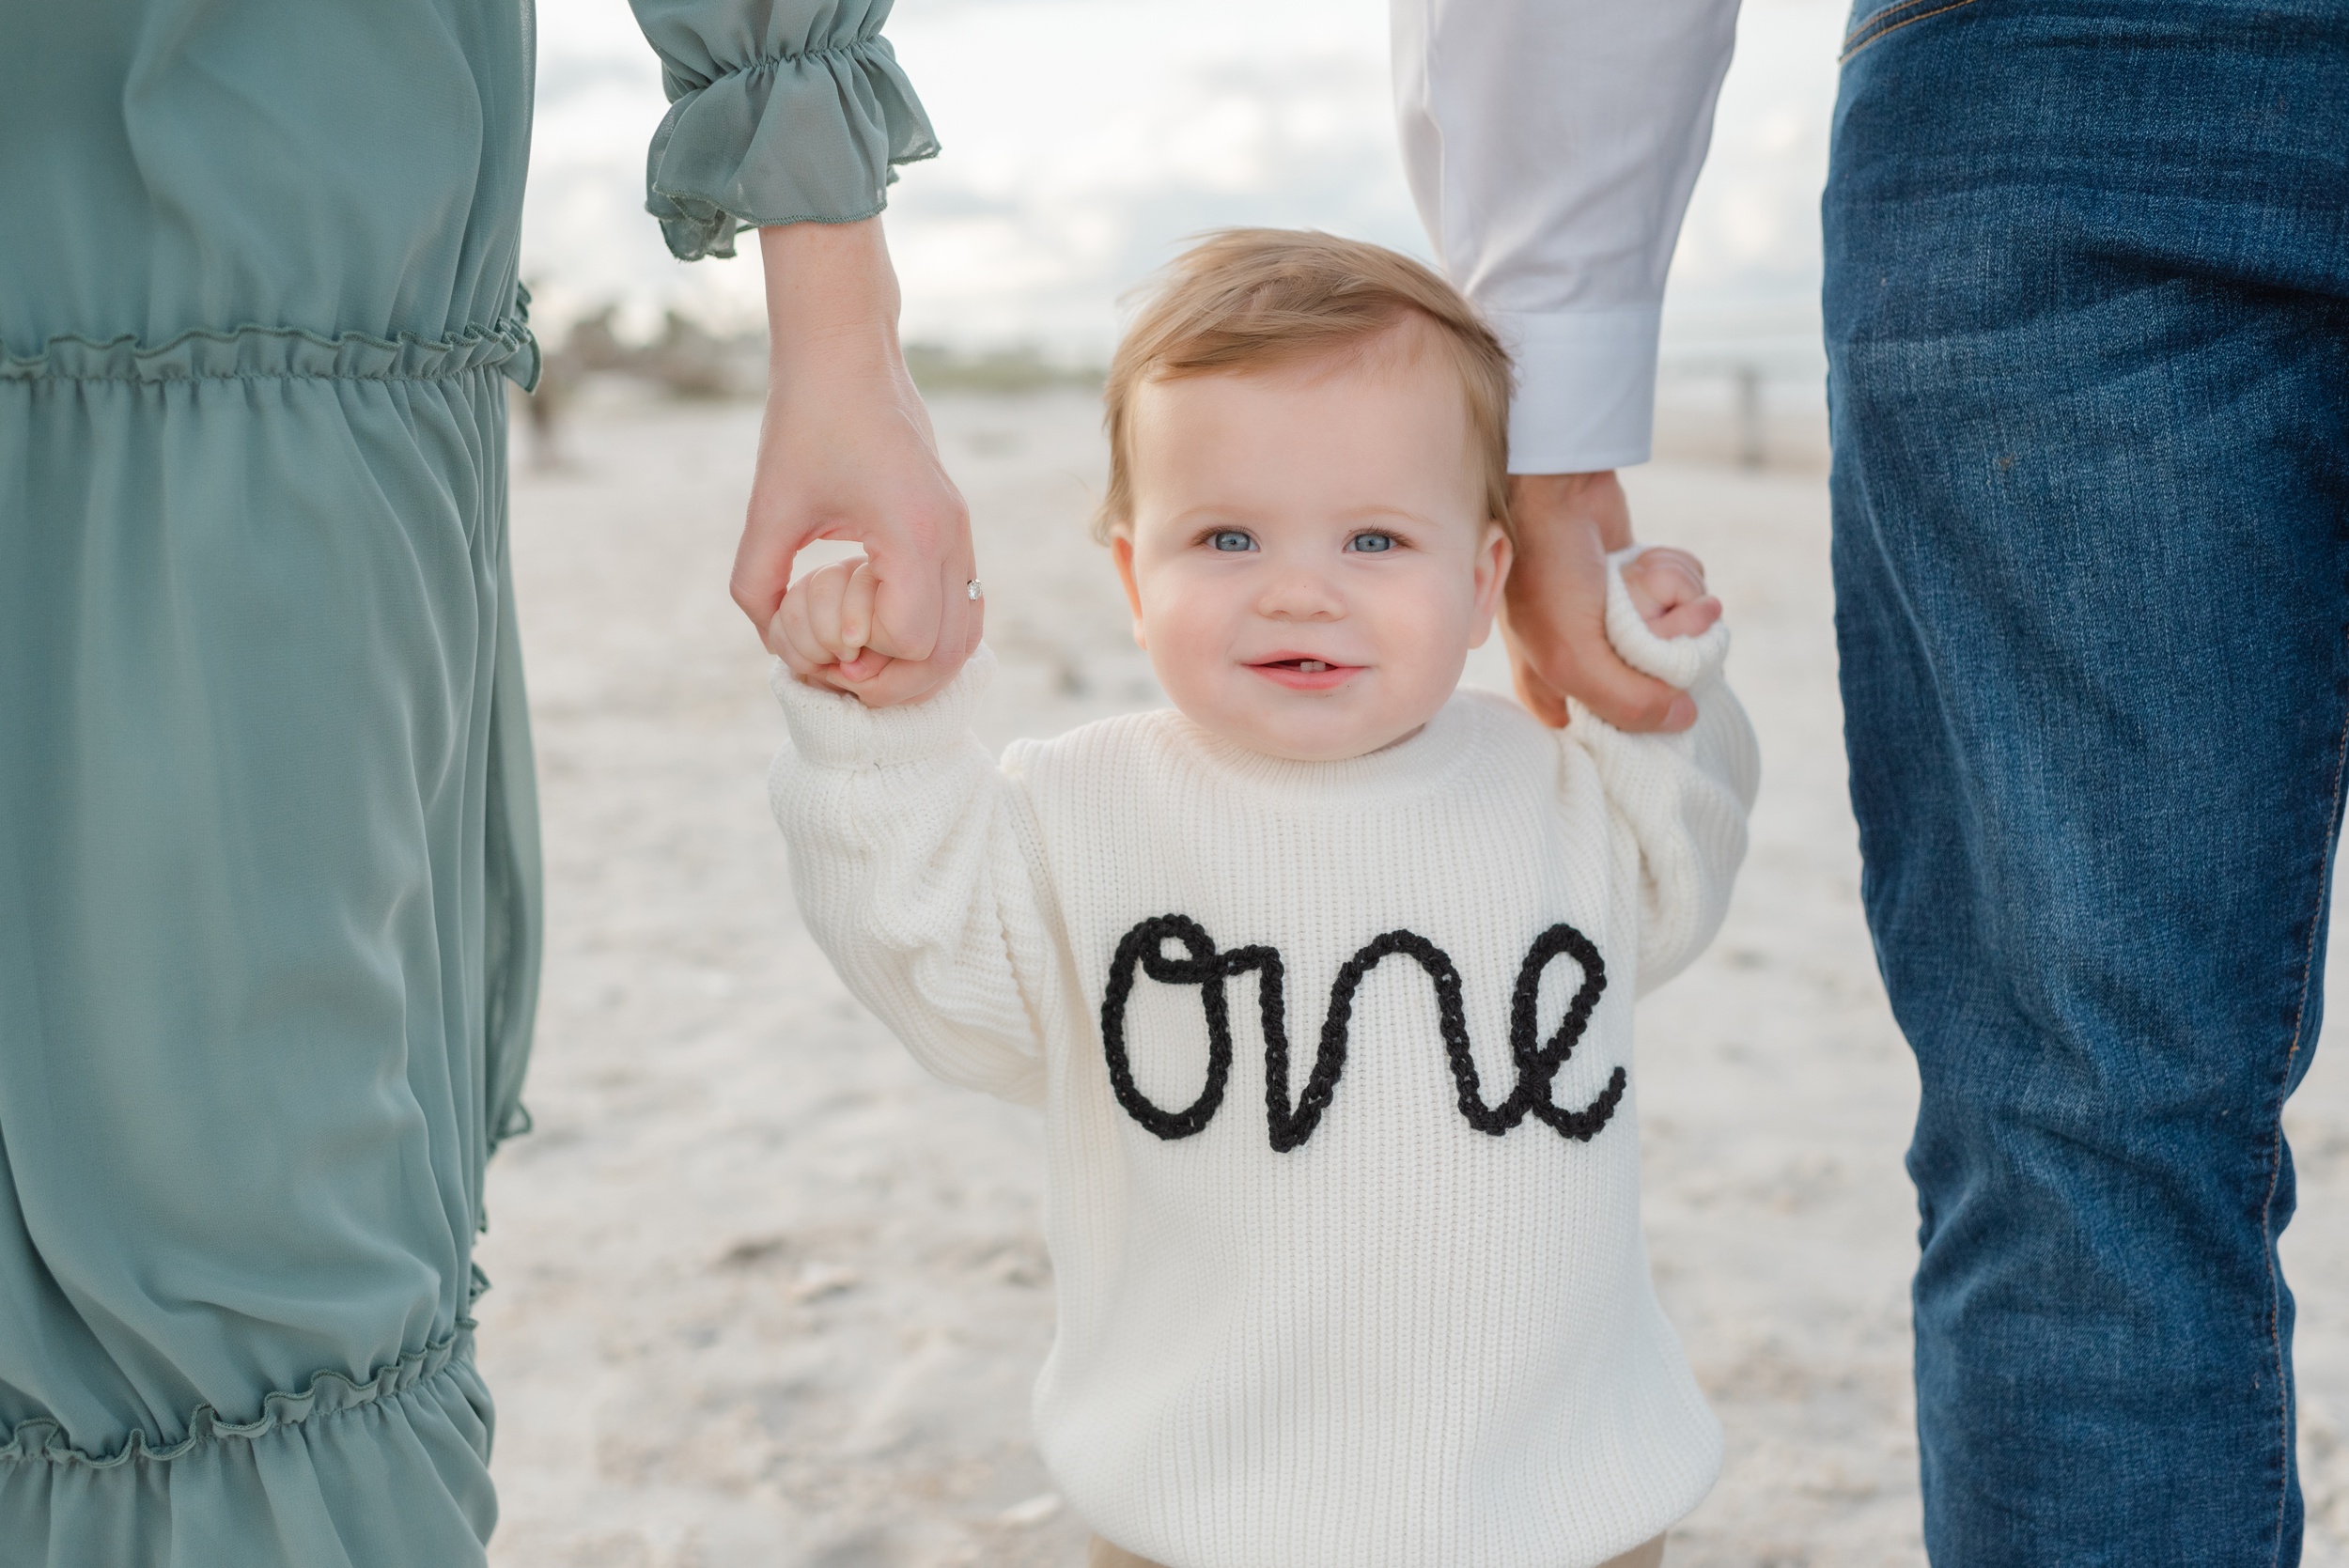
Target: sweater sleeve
pixel 780 112
pixel 1683 798
pixel 915 862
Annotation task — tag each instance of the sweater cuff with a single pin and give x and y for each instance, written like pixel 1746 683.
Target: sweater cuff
pixel 1586 388
pixel 1680 662
pixel 832 729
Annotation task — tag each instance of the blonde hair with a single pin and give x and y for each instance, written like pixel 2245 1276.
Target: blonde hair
pixel 1248 299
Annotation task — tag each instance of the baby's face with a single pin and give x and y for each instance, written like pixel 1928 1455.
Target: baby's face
pixel 1310 561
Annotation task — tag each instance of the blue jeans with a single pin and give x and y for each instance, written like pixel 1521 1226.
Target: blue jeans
pixel 2088 328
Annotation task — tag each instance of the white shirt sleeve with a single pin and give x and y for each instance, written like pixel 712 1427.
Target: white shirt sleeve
pixel 1552 145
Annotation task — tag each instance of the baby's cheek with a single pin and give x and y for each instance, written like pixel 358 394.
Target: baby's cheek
pixel 1426 647
pixel 1184 653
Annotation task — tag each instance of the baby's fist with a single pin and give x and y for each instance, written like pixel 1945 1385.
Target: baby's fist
pixel 1666 587
pixel 821 627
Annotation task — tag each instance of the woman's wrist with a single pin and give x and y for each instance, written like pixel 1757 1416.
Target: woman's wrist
pixel 830 288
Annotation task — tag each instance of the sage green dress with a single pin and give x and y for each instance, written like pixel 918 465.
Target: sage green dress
pixel 269 875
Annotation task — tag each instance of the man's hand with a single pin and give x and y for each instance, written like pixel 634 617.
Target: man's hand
pixel 846 452
pixel 1554 613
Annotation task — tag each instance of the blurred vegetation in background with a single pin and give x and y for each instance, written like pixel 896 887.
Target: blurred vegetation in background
pixel 1731 405
pixel 937 368
pixel 687 361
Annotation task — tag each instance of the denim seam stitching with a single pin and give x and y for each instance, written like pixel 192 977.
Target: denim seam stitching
pixel 1870 40
pixel 1869 24
pixel 2275 1157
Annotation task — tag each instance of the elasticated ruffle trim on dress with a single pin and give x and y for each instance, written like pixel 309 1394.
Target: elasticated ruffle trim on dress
pixel 736 150
pixel 388 1470
pixel 41 1438
pixel 280 353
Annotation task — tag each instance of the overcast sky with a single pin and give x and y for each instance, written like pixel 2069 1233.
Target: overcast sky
pixel 1084 138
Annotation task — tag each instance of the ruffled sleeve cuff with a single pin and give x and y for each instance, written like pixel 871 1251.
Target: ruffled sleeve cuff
pixel 832 729
pixel 780 112
pixel 1680 662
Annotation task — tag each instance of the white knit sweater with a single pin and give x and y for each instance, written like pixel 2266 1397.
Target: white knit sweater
pixel 1391 1319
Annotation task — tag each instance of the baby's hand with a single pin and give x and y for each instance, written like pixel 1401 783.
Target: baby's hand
pixel 823 622
pixel 1666 587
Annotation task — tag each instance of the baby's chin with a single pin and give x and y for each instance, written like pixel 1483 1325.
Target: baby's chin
pixel 1308 731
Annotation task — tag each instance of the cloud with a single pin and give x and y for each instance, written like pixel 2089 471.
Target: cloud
pixel 1085 138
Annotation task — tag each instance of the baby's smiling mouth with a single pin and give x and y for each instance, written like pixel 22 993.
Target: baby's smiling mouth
pixel 1303 672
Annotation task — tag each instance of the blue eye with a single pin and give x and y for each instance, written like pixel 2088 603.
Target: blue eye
pixel 1230 539
pixel 1372 544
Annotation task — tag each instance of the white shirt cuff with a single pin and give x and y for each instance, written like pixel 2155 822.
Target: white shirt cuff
pixel 1586 388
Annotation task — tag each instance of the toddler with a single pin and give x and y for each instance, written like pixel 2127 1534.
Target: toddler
pixel 1324 976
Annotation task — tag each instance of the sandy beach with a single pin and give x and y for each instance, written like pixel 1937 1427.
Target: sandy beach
pixel 765 1293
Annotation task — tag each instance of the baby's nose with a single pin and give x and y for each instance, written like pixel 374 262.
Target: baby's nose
pixel 1300 594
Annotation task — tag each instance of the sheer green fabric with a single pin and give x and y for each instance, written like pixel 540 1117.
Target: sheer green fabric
pixel 751 89
pixel 269 879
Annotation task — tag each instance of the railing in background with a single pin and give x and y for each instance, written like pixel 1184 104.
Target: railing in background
pixel 1746 389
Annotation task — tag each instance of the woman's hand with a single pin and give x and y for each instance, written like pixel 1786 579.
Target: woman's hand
pixel 846 452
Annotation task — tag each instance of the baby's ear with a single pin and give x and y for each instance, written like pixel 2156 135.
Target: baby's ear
pixel 1122 551
pixel 1495 554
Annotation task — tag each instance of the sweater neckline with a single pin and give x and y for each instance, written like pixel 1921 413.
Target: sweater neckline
pixel 1415 765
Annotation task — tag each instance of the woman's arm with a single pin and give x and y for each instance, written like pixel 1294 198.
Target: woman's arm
pixel 846 452
pixel 790 116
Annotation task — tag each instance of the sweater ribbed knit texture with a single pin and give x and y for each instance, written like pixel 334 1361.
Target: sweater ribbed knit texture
pixel 1404 1342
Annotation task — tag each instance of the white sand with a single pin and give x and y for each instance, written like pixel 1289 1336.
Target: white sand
pixel 766 1295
